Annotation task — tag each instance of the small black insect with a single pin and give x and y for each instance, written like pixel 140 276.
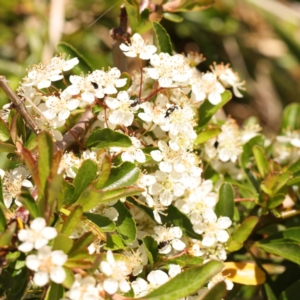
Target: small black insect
pixel 135 102
pixel 163 244
pixel 216 144
pixel 170 110
pixel 95 85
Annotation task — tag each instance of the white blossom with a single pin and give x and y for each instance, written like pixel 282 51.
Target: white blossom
pixel 37 236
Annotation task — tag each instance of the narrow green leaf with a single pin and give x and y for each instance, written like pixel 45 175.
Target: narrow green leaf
pixel 295 167
pixel 32 167
pixel 293 181
pixel 217 292
pixel 290 117
pixel 6 237
pixel 186 283
pixel 45 150
pixel 132 9
pixel 86 174
pixel 173 17
pixel 106 138
pixel 207 110
pixel 29 203
pixel 104 223
pixel 225 205
pixel 126 227
pixel 116 194
pixel 268 292
pixel 89 198
pixel 2 220
pixel 151 248
pixel 186 261
pixel 4 131
pixel 206 135
pixel 84 241
pixel 56 291
pixel 242 233
pixel 69 278
pixel 4 147
pixel 292 292
pixel 72 221
pixel 261 161
pixel 275 201
pixel 104 172
pixel 114 242
pixel 125 175
pixel 62 242
pixel 83 66
pixel 292 233
pixel 163 41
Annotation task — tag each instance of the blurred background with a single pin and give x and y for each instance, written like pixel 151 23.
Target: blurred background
pixel 259 38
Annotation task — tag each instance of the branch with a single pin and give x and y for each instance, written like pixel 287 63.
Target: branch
pixel 77 131
pixel 19 105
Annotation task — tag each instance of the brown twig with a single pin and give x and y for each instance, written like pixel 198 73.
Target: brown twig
pixel 78 130
pixel 19 105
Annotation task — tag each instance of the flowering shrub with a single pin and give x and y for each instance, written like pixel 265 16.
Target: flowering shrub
pixel 129 186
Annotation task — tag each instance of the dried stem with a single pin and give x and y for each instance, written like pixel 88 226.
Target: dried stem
pixel 19 105
pixel 78 130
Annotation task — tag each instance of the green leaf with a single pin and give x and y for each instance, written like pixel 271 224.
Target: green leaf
pixel 295 167
pixel 89 198
pixel 4 147
pixel 72 221
pixel 207 110
pixel 56 291
pixel 206 135
pixel 293 181
pixel 162 38
pixel 106 138
pixel 62 242
pixel 186 261
pixel 225 205
pixel 104 172
pixel 173 17
pixel 32 167
pixel 292 292
pixel 275 201
pixel 151 248
pixel 114 242
pixel 29 203
pixel 112 195
pixel 83 66
pixel 69 278
pixel 268 292
pixel 132 9
pixel 104 223
pixel 125 175
pixel 6 237
pixel 261 161
pixel 4 131
pixel 274 182
pixel 188 5
pixel 126 227
pixel 290 117
pixel 186 283
pixel 84 241
pixel 217 292
pixel 247 150
pixel 2 220
pixel 86 174
pixel 242 233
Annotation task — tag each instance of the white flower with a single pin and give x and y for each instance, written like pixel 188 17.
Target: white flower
pixel 37 236
pixel 59 63
pixel 116 273
pixel 134 153
pixel 138 47
pixel 157 278
pixel 47 265
pixel 84 289
pixel 12 182
pixel 69 162
pixel 137 260
pixel 292 137
pixel 140 287
pixel 174 270
pixel 208 87
pixel 122 112
pixel 168 238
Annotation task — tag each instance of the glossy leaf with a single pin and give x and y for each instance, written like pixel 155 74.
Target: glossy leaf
pixel 125 225
pixel 104 172
pixel 173 17
pixel 116 194
pixel 290 117
pixel 104 223
pixel 151 248
pixel 72 221
pixel 261 161
pixel 186 283
pixel 56 291
pixel 4 147
pixel 244 273
pixel 242 233
pixel 206 135
pixel 114 242
pixel 225 205
pixel 186 260
pixel 89 198
pixel 217 292
pixel 162 38
pixel 106 138
pixel 83 66
pixel 4 131
pixel 62 242
pixel 207 110
pixel 125 175
pixel 29 203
